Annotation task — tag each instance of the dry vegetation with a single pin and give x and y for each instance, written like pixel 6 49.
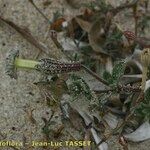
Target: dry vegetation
pixel 86 73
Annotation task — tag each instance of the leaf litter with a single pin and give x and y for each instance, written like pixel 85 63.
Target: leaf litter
pixel 100 34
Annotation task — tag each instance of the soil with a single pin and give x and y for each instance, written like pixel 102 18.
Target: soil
pixel 17 97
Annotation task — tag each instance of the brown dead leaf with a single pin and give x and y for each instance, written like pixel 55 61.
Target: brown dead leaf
pixel 72 115
pixel 88 14
pixel 58 131
pixel 79 24
pixel 85 25
pixel 98 125
pixel 53 90
pixel 87 137
pixel 75 31
pixel 25 33
pixel 34 5
pixel 29 113
pixel 97 37
pixel 57 25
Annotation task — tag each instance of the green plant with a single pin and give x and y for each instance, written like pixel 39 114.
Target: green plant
pixel 143 110
pixel 78 87
pixel 114 77
pixel 46 66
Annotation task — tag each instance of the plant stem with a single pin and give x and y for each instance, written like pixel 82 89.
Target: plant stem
pixel 23 63
pixel 31 1
pixel 95 75
pixel 56 42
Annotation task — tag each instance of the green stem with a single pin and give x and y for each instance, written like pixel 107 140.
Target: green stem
pixel 23 63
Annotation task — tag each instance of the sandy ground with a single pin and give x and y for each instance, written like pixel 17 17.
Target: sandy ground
pixel 16 96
